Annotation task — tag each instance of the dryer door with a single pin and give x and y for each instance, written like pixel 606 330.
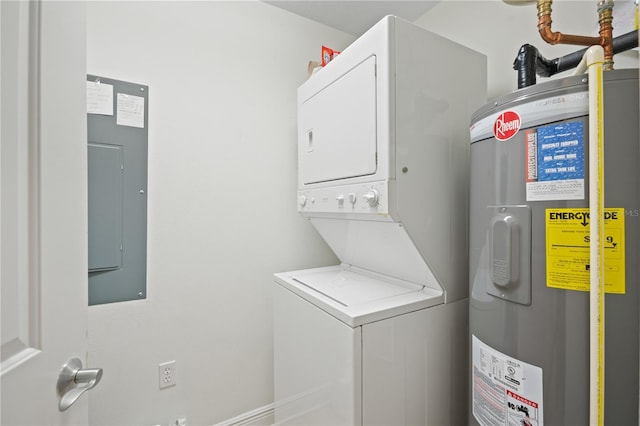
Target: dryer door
pixel 337 128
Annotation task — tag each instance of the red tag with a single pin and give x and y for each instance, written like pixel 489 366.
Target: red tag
pixel 506 126
pixel 328 55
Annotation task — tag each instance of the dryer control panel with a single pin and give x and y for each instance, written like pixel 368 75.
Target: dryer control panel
pixel 366 198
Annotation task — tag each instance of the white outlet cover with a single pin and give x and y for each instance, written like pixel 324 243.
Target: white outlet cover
pixel 167 374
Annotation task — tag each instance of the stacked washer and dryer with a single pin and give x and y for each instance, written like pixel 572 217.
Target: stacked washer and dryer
pixel 382 338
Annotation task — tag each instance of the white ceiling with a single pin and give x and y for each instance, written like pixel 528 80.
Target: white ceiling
pixel 354 16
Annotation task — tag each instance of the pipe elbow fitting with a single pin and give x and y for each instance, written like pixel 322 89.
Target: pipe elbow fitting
pixel 547 35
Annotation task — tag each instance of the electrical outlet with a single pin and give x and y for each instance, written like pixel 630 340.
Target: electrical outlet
pixel 167 374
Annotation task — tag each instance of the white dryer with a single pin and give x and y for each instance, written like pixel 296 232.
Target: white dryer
pixel 383 142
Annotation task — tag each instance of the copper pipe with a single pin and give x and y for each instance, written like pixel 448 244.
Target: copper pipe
pixel 605 19
pixel 605 11
pixel 544 27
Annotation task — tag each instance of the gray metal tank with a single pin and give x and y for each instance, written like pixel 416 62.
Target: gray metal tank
pixel 529 256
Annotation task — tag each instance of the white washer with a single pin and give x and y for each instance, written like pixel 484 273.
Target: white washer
pixel 383 143
pixel 355 348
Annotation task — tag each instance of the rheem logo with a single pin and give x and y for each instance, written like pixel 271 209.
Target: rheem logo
pixel 506 126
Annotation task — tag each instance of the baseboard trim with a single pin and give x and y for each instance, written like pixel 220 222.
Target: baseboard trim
pixel 262 416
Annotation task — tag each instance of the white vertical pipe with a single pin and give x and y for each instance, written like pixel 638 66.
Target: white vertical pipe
pixel 593 60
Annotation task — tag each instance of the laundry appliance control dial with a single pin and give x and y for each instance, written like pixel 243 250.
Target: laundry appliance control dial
pixel 371 197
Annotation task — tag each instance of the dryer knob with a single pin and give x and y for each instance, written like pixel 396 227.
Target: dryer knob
pixel 302 200
pixel 371 197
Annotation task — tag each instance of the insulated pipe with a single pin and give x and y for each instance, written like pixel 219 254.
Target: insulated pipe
pixel 525 63
pixel 593 60
pixel 605 14
pixel 621 43
pixel 530 62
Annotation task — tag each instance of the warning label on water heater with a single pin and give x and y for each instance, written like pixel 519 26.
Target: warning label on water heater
pixel 568 249
pixel 506 391
pixel 555 162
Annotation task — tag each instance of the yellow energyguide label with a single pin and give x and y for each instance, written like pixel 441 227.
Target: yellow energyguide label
pixel 567 243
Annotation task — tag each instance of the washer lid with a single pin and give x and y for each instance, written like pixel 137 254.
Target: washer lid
pixel 356 296
pixel 349 288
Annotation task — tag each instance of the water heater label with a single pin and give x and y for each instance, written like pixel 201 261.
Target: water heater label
pixel 568 249
pixel 506 390
pixel 555 162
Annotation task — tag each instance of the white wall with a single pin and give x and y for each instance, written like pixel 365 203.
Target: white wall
pixel 498 29
pixel 221 200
